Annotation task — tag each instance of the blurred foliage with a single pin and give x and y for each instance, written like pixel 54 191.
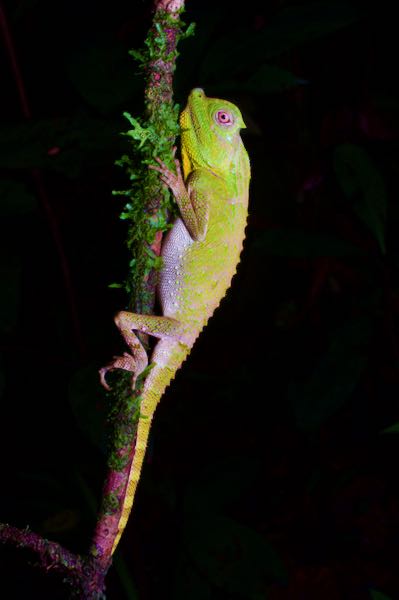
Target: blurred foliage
pixel 267 474
pixel 103 75
pixel 360 179
pixel 341 365
pixel 68 146
pixel 376 595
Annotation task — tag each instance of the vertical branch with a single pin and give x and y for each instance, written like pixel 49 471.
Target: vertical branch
pixel 146 210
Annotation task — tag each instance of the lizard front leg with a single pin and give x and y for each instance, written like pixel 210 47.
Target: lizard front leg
pixel 191 200
pixel 137 360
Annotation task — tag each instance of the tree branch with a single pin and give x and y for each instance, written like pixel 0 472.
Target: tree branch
pixel 82 574
pixel 159 63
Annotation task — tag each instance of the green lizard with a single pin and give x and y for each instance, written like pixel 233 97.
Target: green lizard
pixel 200 255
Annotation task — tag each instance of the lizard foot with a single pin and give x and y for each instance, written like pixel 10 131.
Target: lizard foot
pixel 172 180
pixel 125 362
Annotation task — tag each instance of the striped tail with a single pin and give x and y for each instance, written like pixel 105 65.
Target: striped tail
pixel 156 382
pixel 143 430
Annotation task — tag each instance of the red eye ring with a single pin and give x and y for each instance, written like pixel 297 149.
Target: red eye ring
pixel 223 117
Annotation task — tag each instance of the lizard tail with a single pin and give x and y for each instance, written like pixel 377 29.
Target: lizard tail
pixel 143 430
pixel 155 384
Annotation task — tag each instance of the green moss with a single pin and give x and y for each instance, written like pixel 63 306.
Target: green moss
pixel 149 205
pixel 110 503
pixel 156 45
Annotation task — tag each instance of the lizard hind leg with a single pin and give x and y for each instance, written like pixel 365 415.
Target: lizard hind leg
pixel 137 360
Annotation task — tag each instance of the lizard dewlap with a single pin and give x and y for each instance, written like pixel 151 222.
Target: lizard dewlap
pixel 200 255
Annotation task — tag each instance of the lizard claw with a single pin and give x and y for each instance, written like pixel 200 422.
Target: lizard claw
pixel 174 181
pixel 125 362
pixel 102 372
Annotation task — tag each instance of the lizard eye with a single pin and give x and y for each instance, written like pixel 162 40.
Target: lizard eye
pixel 223 118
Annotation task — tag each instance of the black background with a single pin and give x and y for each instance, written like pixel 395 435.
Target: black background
pixel 269 473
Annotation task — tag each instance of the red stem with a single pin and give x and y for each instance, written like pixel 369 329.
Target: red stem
pixel 8 42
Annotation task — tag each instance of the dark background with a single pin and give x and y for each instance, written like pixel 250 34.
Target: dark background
pixel 270 472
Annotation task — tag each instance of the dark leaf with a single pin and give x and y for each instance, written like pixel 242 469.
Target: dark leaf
pixel 292 26
pixel 268 79
pixel 222 483
pixel 189 583
pixel 60 521
pixel 305 22
pixel 376 595
pixel 46 494
pixel 125 578
pixel 15 200
pixel 104 75
pixel 232 556
pixel 392 428
pixel 362 182
pixel 66 145
pixel 336 375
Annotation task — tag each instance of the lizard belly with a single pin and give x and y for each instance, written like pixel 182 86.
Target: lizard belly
pixel 174 249
pixel 196 274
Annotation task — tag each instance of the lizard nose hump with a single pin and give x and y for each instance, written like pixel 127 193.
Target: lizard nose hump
pixel 199 92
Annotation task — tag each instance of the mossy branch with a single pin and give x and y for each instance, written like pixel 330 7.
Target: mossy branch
pixel 147 212
pixel 149 205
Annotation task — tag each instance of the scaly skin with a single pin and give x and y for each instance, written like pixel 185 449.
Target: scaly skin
pixel 200 255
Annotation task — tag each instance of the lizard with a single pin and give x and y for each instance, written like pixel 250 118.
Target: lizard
pixel 200 255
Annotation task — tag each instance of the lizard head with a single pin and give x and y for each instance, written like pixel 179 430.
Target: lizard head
pixel 210 133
